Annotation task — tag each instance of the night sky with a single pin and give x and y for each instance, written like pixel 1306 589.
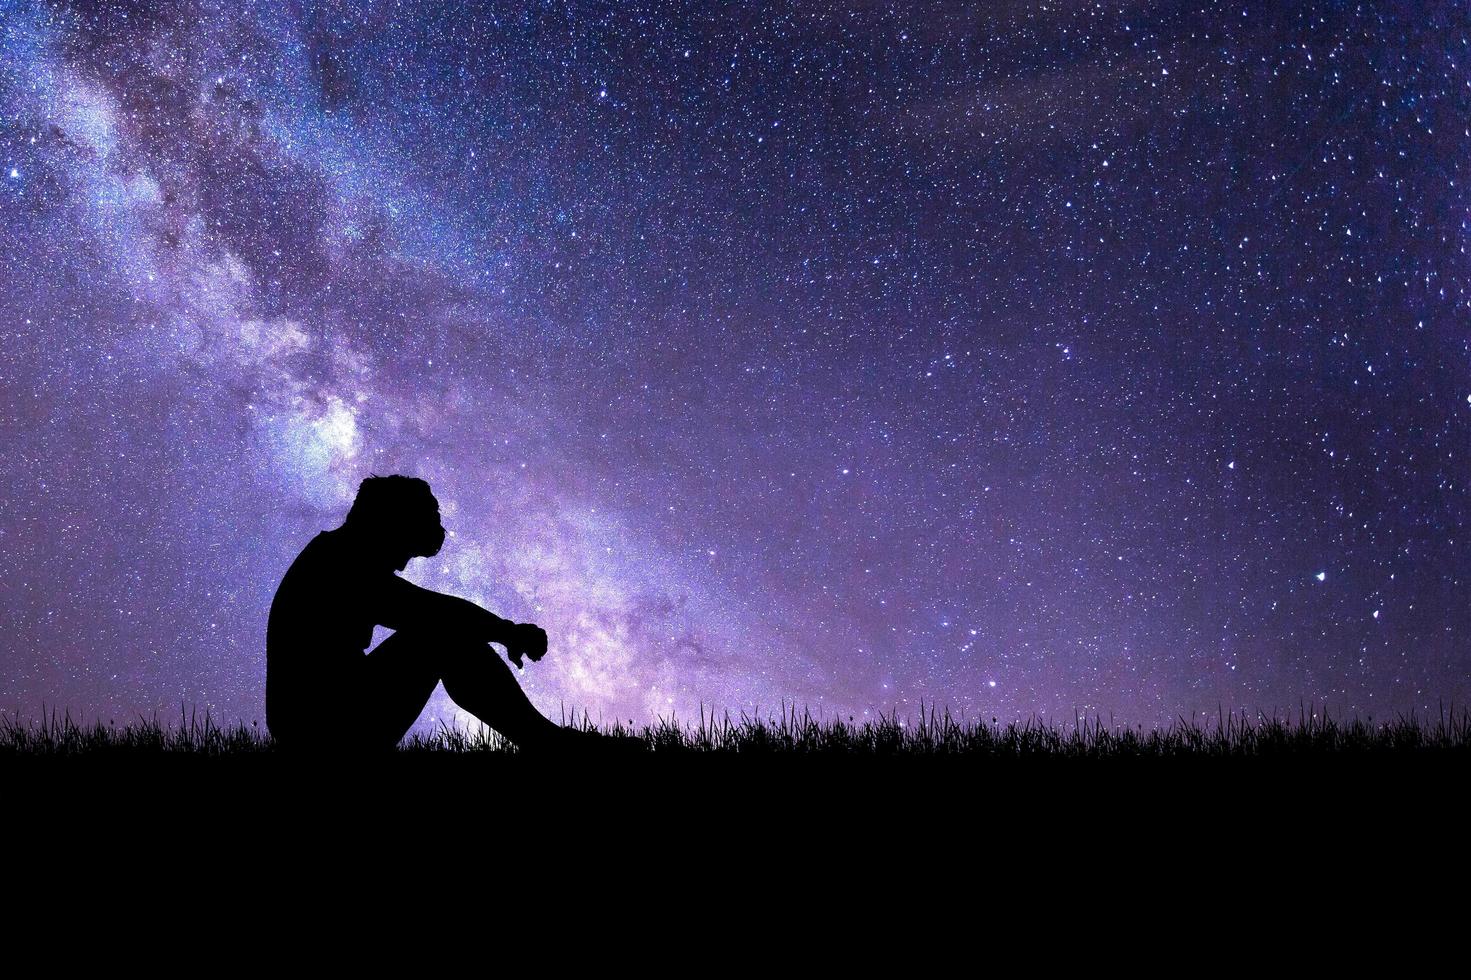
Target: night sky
pixel 1027 359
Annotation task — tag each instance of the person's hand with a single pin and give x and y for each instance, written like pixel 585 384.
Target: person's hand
pixel 526 640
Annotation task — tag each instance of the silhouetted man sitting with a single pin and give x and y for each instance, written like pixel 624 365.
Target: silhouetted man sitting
pixel 323 692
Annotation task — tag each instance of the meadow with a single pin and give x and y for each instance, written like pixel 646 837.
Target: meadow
pixel 754 794
pixel 1310 733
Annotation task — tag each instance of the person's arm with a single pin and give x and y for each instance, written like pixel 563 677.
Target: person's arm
pixel 400 604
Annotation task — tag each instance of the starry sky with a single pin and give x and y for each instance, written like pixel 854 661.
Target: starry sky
pixel 1027 359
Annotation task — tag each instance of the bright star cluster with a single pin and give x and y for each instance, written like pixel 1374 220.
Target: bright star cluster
pixel 1021 359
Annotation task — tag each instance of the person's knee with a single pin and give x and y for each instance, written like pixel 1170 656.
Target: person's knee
pixel 437 638
pixel 451 651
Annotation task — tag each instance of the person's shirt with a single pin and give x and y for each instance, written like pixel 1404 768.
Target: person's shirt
pixel 322 618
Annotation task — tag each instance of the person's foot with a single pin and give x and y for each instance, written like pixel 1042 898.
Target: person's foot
pixel 576 742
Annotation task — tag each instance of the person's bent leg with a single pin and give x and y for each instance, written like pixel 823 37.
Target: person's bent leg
pixel 396 682
pixel 478 680
pixel 405 668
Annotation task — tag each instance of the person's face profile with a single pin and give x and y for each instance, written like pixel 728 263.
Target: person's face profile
pixel 434 532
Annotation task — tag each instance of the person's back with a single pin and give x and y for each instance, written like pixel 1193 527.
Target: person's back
pixel 320 624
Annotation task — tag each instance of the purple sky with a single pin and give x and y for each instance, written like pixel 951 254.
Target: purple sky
pixel 1023 359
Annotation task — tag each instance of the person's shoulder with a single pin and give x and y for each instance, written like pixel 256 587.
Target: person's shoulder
pixel 321 540
pixel 324 546
pixel 343 551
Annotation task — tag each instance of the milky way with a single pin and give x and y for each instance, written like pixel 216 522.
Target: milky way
pixel 1024 359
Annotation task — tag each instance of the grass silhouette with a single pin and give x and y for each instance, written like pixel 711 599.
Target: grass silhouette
pixel 1312 734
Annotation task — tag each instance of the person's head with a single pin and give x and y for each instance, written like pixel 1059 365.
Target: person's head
pixel 398 514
